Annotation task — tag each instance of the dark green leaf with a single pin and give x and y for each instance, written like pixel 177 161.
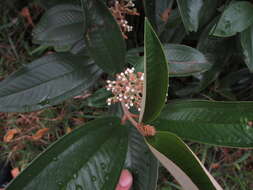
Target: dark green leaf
pixel 61 25
pixel 80 48
pixel 181 162
pixel 163 9
pixel 237 17
pixel 47 81
pixel 185 60
pixel 218 123
pixel 103 38
pixel 155 76
pixel 190 12
pixel 218 51
pixel 90 157
pixel 133 56
pixel 51 3
pixel 98 99
pixel 173 31
pixel 141 162
pixel 247 45
pixel 208 12
pixel 150 11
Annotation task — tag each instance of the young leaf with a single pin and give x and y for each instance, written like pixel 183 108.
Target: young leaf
pixel 217 123
pixel 237 17
pixel 155 76
pixel 247 45
pixel 190 12
pixel 185 60
pixel 103 37
pixel 46 82
pixel 60 26
pixel 79 160
pixel 181 162
pixel 141 162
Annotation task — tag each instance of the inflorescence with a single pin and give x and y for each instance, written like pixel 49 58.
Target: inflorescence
pixel 120 10
pixel 127 88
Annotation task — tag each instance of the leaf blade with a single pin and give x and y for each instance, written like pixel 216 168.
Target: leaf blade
pixel 46 82
pixel 155 85
pixel 217 123
pixel 247 45
pixel 185 60
pixel 141 161
pixel 107 48
pixel 64 164
pixel 182 162
pixel 237 17
pixel 190 11
pixel 60 26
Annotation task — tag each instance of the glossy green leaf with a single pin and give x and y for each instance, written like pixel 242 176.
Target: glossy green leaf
pixel 103 37
pixel 181 162
pixel 185 60
pixel 247 45
pixel 60 26
pixel 217 123
pixel 47 81
pixel 237 17
pixel 155 76
pixel 141 162
pixel 90 157
pixel 190 12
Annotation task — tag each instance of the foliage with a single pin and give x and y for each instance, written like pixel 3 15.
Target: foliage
pixel 185 44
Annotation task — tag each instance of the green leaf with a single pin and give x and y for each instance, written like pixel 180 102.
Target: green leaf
pixel 173 31
pixel 103 37
pixel 98 99
pixel 141 162
pixel 237 17
pixel 150 11
pixel 181 162
pixel 163 10
pixel 185 60
pixel 217 123
pixel 190 12
pixel 90 157
pixel 46 82
pixel 61 25
pixel 208 12
pixel 155 76
pixel 51 3
pixel 247 45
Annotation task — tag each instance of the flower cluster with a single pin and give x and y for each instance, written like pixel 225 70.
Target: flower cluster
pixel 120 10
pixel 127 88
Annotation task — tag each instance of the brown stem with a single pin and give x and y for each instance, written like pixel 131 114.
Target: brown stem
pixel 128 115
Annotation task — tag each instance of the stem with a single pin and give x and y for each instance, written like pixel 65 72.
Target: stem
pixel 128 115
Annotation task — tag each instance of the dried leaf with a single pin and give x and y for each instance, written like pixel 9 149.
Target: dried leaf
pixel 10 135
pixel 39 134
pixel 68 130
